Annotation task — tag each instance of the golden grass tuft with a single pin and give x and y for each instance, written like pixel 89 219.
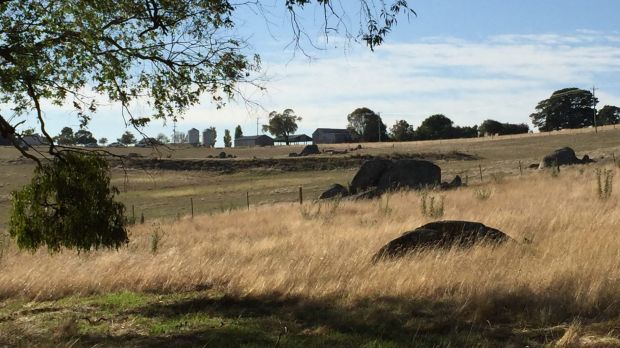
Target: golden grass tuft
pixel 570 267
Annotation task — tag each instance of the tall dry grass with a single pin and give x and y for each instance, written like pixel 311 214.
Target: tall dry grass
pixel 572 263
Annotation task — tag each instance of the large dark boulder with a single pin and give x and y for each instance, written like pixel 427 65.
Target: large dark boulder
pixel 562 157
pixel 410 174
pixel 336 190
pixel 310 150
pixel 388 175
pixel 369 174
pixel 441 234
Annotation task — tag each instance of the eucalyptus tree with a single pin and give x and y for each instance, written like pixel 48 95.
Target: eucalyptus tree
pixel 162 53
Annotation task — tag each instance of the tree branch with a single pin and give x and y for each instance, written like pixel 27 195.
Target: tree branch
pixel 8 131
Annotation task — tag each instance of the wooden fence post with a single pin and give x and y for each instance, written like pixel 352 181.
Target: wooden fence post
pixel 133 214
pixel 191 201
pixel 142 218
pixel 520 168
pixel 301 195
pixel 247 199
pixel 480 167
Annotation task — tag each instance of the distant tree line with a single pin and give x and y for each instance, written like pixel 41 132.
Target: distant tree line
pixel 565 109
pixel 366 125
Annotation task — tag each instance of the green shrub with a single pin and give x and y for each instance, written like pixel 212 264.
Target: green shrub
pixel 156 236
pixel 69 203
pixel 604 182
pixel 431 205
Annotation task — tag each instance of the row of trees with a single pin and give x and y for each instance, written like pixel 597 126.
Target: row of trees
pixel 366 125
pixel 566 108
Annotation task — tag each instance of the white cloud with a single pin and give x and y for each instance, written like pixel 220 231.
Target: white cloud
pixel 502 77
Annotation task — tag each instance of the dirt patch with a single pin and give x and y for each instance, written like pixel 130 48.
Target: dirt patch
pixel 284 164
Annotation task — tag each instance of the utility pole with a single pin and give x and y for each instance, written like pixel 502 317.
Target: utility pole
pixel 257 125
pixel 594 107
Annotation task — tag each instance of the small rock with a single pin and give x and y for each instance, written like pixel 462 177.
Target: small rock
pixel 310 150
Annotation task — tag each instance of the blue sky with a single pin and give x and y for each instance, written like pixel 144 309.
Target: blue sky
pixel 468 59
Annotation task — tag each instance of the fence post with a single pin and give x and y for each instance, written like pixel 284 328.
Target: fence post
pixel 142 218
pixel 480 167
pixel 520 168
pixel 247 199
pixel 133 214
pixel 191 200
pixel 301 195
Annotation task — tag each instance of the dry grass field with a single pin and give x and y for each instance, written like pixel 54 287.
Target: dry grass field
pixel 165 193
pixel 312 268
pixel 281 274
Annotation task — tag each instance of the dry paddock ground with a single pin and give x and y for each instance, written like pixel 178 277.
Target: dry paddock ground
pixel 239 277
pixel 569 275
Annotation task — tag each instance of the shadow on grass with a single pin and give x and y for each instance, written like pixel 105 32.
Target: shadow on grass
pixel 208 319
pixel 270 321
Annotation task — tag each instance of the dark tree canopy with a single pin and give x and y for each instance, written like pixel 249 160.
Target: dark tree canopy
pixel 402 131
pixel 238 132
pixel 492 127
pixel 127 138
pixel 366 125
pixel 66 137
pixel 84 137
pixel 566 108
pixel 227 138
pixel 282 124
pixel 464 132
pixel 213 139
pixel 435 127
pixel 609 114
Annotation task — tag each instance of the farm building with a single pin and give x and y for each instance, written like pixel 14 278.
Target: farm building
pixel 257 140
pixel 294 139
pixel 193 136
pixel 34 140
pixel 331 136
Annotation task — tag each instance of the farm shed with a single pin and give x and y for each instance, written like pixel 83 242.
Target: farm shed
pixel 294 139
pixel 331 136
pixel 256 140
